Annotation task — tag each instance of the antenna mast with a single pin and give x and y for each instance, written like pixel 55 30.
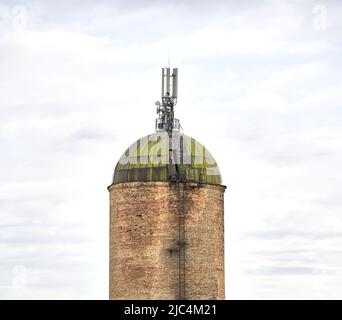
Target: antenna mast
pixel 165 109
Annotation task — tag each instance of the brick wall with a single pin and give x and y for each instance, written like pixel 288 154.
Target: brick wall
pixel 145 247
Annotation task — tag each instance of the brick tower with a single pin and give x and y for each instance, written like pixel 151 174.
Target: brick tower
pixel 166 214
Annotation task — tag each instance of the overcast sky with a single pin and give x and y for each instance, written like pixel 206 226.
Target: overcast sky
pixel 260 86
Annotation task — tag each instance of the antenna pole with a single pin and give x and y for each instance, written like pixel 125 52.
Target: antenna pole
pixel 168 54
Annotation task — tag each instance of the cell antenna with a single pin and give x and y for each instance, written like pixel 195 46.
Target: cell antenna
pixel 165 108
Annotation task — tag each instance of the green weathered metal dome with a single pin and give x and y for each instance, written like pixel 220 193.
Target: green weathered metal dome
pixel 148 160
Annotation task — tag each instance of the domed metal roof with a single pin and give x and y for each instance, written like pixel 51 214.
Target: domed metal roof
pixel 156 157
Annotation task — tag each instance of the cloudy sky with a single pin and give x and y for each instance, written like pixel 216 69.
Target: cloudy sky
pixel 260 86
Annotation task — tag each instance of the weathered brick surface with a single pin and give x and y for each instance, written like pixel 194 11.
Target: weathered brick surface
pixel 144 241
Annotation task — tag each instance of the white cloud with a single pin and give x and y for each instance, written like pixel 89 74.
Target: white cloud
pixel 259 86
